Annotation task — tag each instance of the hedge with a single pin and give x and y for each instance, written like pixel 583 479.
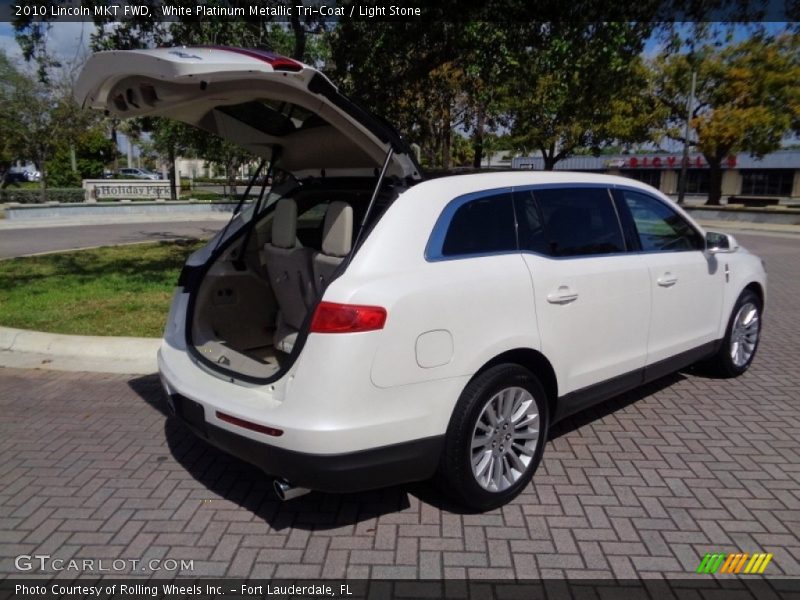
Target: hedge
pixel 28 196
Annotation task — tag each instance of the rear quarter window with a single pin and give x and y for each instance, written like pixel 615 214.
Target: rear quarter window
pixel 482 226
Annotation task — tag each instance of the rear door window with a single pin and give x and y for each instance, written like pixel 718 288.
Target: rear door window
pixel 482 226
pixel 568 222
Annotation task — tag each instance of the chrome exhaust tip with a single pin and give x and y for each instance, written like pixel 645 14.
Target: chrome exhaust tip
pixel 286 491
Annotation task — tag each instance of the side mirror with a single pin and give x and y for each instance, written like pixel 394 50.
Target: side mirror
pixel 719 243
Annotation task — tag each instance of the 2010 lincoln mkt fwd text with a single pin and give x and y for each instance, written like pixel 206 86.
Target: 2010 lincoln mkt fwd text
pixel 356 327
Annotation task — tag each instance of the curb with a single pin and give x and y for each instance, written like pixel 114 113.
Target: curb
pixel 21 348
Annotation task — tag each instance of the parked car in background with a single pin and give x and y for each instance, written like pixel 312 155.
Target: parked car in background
pixel 359 327
pixel 137 173
pixel 23 174
pixel 15 177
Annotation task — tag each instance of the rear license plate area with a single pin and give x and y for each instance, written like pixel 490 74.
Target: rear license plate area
pixel 192 412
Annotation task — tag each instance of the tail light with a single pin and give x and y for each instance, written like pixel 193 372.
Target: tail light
pixel 331 317
pixel 249 424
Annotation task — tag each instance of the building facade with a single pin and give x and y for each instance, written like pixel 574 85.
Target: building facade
pixel 773 179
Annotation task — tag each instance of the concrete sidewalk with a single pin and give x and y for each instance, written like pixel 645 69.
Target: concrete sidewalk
pixel 21 348
pixel 106 220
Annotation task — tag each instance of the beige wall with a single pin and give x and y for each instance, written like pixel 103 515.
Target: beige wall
pixel 796 184
pixel 731 182
pixel 189 167
pixel 669 182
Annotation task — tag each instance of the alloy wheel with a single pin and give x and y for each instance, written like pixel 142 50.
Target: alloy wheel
pixel 504 438
pixel 744 334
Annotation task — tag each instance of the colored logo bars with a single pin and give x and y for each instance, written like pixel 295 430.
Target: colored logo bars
pixel 720 562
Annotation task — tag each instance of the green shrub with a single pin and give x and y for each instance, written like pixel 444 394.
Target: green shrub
pixel 197 195
pixel 31 196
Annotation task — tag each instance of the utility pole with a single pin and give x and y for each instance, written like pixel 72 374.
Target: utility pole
pixel 685 161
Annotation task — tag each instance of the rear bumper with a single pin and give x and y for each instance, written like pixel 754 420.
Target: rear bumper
pixel 415 460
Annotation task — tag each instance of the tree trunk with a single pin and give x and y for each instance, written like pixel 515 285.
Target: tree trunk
pixel 714 181
pixel 299 31
pixel 477 140
pixel 42 166
pixel 173 191
pixel 549 159
pixel 232 168
pixel 446 138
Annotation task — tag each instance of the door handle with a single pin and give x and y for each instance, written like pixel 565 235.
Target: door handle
pixel 667 280
pixel 563 295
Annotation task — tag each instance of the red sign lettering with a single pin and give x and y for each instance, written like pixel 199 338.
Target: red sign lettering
pixel 672 162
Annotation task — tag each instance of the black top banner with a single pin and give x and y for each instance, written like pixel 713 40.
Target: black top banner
pixel 259 589
pixel 400 10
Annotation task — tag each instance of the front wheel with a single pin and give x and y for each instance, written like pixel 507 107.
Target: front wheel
pixel 741 337
pixel 495 439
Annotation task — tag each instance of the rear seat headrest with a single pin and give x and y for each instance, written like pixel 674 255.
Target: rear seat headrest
pixel 337 231
pixel 284 224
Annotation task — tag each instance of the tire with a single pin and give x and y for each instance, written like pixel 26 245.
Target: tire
pixel 508 395
pixel 742 336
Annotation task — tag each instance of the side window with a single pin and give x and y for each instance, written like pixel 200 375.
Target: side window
pixel 572 222
pixel 660 228
pixel 313 217
pixel 530 230
pixel 482 226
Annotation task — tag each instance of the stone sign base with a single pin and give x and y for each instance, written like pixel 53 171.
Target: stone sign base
pixel 128 189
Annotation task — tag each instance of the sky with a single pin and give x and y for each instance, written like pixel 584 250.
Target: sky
pixel 68 40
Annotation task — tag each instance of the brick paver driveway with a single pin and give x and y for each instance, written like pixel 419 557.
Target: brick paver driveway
pixel 91 467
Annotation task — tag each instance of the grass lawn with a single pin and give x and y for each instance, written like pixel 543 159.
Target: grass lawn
pixel 121 290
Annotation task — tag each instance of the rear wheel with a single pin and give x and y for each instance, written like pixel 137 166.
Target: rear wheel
pixel 741 337
pixel 495 439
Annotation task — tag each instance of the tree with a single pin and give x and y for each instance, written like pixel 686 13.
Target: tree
pixel 405 73
pixel 490 63
pixel 38 118
pixel 93 150
pixel 556 85
pixel 747 98
pixel 9 78
pixel 579 86
pixel 170 139
pixel 428 78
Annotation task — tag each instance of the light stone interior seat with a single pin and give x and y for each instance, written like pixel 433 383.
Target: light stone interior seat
pixel 337 241
pixel 290 273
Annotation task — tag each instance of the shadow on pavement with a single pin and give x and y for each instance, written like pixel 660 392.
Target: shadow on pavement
pixel 245 485
pixel 599 411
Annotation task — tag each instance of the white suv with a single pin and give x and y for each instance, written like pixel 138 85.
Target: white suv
pixel 357 328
